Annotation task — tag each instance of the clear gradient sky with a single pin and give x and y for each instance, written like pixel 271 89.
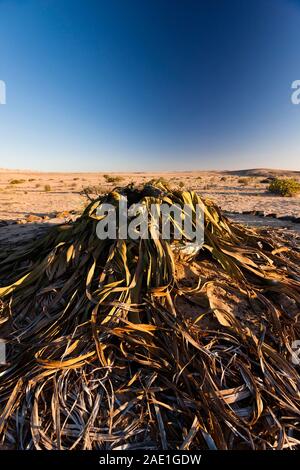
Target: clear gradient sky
pixel 149 84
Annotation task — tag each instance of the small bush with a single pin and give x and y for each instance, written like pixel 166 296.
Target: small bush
pixel 113 179
pixel 181 184
pixel 244 181
pixel 267 180
pixel 47 188
pixel 92 189
pixel 90 192
pixel 161 180
pixel 286 187
pixel 17 181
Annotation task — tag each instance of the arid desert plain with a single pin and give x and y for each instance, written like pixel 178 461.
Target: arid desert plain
pixel 29 198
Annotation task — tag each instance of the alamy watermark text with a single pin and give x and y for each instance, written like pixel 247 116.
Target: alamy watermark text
pixel 2 92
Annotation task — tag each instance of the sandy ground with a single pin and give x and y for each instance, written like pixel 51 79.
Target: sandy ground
pixel 37 197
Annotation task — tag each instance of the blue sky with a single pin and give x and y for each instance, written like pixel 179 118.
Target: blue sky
pixel 149 85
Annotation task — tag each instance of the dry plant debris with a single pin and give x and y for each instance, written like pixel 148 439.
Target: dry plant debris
pixel 123 344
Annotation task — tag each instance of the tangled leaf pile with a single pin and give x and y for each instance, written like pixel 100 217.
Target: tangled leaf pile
pixel 129 344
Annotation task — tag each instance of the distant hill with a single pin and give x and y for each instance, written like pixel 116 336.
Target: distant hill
pixel 260 172
pixel 264 172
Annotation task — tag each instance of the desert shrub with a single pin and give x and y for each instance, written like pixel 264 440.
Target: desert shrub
pixel 31 179
pixel 47 188
pixel 17 181
pixel 267 180
pixel 37 185
pixel 155 181
pixel 181 184
pixel 286 187
pixel 91 191
pixel 162 180
pixel 244 181
pixel 113 179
